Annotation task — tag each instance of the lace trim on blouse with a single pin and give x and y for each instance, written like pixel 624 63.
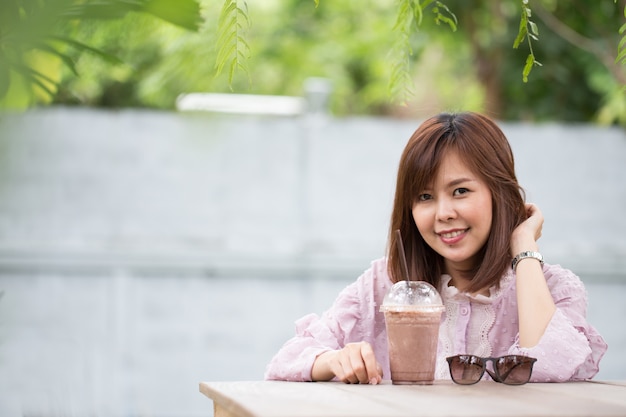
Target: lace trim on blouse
pixel 481 320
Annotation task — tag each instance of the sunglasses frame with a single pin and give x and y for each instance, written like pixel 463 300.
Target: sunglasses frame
pixel 495 374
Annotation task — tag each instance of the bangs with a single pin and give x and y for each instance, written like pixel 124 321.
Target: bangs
pixel 424 164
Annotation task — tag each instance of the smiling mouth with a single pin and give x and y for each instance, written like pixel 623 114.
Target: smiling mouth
pixel 453 234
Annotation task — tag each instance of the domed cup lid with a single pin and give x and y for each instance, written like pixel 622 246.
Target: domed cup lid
pixel 412 296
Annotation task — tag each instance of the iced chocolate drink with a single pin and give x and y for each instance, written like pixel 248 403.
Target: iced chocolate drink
pixel 412 316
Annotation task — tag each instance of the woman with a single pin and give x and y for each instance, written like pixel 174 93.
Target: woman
pixel 466 230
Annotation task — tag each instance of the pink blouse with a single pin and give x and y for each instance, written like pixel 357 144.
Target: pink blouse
pixel 570 348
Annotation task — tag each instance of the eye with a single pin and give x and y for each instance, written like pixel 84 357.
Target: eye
pixel 460 191
pixel 424 197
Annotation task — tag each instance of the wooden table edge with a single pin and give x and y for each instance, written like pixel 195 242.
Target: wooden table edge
pixel 224 405
pixel 618 382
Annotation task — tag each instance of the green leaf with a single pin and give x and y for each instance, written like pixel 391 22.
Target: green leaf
pixel 450 22
pixel 5 78
pixel 521 34
pixel 621 47
pixel 530 60
pixel 621 55
pixel 82 47
pixel 183 13
pixel 450 19
pixel 103 9
pixel 36 77
pixel 418 13
pixel 404 16
pixel 233 49
pixel 418 10
pixel 44 87
pixel 69 62
pixel 528 12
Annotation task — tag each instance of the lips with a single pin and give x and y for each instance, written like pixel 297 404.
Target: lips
pixel 450 237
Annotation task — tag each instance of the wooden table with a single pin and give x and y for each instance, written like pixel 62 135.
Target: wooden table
pixel 443 398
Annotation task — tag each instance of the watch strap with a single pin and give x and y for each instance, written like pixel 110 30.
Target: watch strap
pixel 525 255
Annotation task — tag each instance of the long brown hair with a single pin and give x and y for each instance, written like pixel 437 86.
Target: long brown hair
pixel 486 151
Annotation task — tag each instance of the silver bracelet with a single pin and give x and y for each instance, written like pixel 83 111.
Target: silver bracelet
pixel 525 255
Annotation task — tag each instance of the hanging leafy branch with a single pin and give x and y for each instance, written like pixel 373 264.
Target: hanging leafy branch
pixel 400 75
pixel 527 30
pixel 233 49
pixel 409 19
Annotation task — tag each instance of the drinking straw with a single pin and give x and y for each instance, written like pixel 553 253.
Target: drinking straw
pixel 405 268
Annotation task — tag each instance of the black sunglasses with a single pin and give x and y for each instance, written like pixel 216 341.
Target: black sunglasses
pixel 510 369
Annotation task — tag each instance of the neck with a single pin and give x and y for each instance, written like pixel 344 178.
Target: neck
pixel 462 279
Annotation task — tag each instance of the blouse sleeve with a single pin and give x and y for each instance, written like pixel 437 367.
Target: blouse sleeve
pixel 570 348
pixel 316 335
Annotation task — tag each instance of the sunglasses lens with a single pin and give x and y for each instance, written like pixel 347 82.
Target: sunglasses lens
pixel 515 370
pixel 466 369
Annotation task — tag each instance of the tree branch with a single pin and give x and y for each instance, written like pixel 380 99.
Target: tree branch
pixel 586 44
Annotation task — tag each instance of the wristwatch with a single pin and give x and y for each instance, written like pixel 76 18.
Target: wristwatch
pixel 524 255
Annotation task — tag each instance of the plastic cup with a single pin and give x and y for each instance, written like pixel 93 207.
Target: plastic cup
pixel 412 315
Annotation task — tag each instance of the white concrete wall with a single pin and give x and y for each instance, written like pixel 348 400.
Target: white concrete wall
pixel 218 192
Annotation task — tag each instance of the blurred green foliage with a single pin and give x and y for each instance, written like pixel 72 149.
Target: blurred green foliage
pixel 281 43
pixel 37 40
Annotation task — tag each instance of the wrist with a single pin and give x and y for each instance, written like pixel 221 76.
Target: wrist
pixel 526 255
pixel 521 240
pixel 526 245
pixel 322 370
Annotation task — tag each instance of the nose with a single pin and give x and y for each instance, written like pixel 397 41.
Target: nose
pixel 445 209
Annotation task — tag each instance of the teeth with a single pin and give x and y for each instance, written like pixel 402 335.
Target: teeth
pixel 452 234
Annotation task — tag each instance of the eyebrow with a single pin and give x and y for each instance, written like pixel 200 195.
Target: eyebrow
pixel 455 182
pixel 460 181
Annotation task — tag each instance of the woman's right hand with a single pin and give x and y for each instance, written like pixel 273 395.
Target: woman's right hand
pixel 354 364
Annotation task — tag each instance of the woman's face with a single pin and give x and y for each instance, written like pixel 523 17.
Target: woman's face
pixel 454 213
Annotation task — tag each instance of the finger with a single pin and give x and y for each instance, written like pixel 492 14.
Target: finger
pixel 358 365
pixel 349 377
pixel 347 372
pixel 534 210
pixel 372 367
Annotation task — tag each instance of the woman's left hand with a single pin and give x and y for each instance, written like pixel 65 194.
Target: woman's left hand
pixel 525 236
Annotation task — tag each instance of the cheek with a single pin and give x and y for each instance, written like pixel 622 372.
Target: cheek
pixel 483 217
pixel 487 211
pixel 421 218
